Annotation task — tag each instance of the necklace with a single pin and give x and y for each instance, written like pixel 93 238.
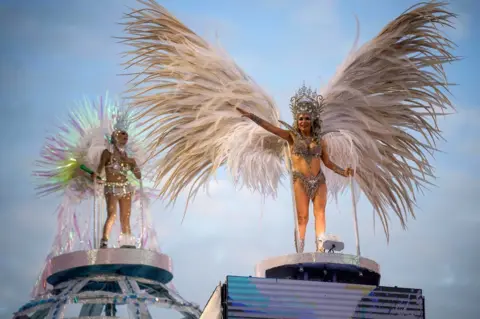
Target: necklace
pixel 306 153
pixel 307 139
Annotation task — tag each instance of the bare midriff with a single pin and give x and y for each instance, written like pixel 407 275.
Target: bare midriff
pixel 114 175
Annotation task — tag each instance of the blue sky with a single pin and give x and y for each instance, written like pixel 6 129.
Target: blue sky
pixel 55 52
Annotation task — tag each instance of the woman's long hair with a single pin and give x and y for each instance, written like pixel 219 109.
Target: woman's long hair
pixel 316 127
pixel 113 140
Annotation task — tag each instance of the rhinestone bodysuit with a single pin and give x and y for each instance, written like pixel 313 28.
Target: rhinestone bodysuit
pixel 302 146
pixel 118 189
pixel 121 190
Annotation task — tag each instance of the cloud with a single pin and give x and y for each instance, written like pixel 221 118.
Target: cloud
pixel 465 21
pixel 462 28
pixel 321 29
pixel 27 225
pixel 212 28
pixel 53 33
pixel 462 127
pixel 273 4
pixel 317 14
pixel 221 206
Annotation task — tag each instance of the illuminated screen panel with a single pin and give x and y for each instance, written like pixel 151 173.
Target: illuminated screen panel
pixel 248 297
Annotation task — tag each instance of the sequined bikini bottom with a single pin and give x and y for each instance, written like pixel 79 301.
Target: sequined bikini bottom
pixel 310 183
pixel 119 190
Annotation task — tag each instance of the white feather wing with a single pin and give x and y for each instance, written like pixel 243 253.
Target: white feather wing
pixel 187 92
pixel 383 104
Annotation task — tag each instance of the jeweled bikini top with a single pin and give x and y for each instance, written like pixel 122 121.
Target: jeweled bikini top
pixel 302 146
pixel 117 166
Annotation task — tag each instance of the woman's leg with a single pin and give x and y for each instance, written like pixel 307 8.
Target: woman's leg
pixel 302 202
pixel 125 210
pixel 319 205
pixel 111 215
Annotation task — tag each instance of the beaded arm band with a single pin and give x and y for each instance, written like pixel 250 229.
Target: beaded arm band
pixel 255 118
pixel 339 170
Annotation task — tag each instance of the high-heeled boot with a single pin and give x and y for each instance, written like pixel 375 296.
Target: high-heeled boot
pixel 319 244
pixel 299 244
pixel 104 243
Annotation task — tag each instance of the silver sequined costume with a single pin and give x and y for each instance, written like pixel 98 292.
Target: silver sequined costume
pixel 302 146
pixel 118 189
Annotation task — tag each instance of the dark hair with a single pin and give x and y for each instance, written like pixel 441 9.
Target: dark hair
pixel 112 137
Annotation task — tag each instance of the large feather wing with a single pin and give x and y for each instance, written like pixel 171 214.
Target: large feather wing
pixel 188 91
pixel 81 140
pixel 384 102
pixel 66 149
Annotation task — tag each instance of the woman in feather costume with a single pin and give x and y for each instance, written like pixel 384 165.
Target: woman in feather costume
pixel 377 116
pixel 80 144
pixel 118 190
pixel 307 152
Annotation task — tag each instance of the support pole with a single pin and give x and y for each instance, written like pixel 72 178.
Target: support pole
pixel 355 221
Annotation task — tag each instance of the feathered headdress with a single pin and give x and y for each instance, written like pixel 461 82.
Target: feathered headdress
pixel 81 140
pixel 306 101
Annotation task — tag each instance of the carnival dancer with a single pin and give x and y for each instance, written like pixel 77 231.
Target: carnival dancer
pixel 118 190
pixel 95 137
pixel 375 122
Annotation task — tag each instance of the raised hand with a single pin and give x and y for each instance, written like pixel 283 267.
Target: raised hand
pixel 96 179
pixel 349 172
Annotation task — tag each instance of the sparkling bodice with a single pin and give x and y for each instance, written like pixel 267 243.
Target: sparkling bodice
pixel 307 148
pixel 116 166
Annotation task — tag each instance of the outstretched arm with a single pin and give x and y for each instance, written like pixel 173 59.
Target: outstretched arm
pixel 266 125
pixel 331 165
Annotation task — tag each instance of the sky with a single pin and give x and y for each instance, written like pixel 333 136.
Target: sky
pixel 54 53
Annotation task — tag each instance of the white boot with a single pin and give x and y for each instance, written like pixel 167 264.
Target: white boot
pixel 319 244
pixel 301 246
pixel 126 241
pixel 299 243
